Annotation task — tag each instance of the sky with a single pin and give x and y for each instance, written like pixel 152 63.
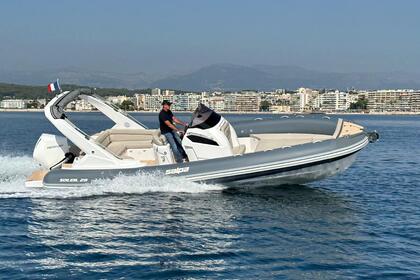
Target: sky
pixel 162 37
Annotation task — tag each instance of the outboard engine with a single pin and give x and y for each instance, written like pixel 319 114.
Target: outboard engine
pixel 51 150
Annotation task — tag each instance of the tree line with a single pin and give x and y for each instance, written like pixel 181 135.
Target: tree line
pixel 15 91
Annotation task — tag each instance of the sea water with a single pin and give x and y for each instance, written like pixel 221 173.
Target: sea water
pixel 363 223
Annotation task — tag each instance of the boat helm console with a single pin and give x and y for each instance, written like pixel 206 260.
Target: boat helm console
pixel 209 135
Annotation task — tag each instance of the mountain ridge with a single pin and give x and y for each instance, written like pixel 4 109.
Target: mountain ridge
pixel 221 77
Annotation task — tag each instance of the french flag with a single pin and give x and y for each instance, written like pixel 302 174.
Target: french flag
pixel 54 87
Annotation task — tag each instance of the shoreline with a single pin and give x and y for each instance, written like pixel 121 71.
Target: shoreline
pixel 231 112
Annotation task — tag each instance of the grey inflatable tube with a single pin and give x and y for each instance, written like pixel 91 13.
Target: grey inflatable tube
pixel 286 125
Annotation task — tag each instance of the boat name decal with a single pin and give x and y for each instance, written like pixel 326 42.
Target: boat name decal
pixel 177 170
pixel 73 180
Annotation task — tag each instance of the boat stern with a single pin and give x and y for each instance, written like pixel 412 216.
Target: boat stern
pixel 36 179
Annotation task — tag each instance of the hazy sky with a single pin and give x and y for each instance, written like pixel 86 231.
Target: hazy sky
pixel 178 36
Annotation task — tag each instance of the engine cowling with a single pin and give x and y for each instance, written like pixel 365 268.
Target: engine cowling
pixel 50 150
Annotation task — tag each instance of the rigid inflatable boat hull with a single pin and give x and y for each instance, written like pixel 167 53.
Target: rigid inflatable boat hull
pixel 293 165
pixel 299 176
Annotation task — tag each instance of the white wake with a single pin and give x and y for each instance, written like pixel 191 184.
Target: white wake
pixel 15 169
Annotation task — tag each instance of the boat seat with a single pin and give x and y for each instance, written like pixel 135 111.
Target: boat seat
pixel 237 149
pixel 119 140
pixel 275 141
pixel 111 135
pixel 119 148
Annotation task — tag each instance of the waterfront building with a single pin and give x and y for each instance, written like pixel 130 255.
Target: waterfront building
pixel 168 93
pixel 82 105
pixel 117 100
pixel 140 99
pixel 280 109
pixel 248 102
pixel 230 102
pixel 194 100
pixel 42 102
pixel 304 95
pixel 279 102
pixel 400 100
pixel 156 91
pixel 334 101
pixel 353 97
pixel 152 102
pixel 205 98
pixel 180 102
pixel 217 102
pixel 13 104
pixel 305 99
pixel 272 99
pixel 415 101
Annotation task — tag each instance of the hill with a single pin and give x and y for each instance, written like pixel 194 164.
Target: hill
pixel 266 77
pixel 34 92
pixel 221 77
pixel 77 76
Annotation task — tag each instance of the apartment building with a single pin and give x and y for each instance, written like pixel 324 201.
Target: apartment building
pixel 334 101
pixel 13 104
pixel 393 101
pixel 248 102
pixel 217 102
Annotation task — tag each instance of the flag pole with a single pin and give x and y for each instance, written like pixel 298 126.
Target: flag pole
pixel 59 87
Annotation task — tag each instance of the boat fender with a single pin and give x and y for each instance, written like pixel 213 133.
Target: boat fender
pixel 373 136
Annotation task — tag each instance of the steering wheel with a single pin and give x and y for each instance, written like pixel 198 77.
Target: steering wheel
pixel 183 132
pixel 186 127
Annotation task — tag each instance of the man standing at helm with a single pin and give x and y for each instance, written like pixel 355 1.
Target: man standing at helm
pixel 167 122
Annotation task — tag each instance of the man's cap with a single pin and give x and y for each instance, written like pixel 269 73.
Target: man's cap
pixel 166 102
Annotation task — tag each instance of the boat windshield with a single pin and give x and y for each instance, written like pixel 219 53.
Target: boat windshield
pixel 76 128
pixel 204 117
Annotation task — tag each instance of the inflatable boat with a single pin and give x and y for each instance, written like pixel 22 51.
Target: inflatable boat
pixel 288 150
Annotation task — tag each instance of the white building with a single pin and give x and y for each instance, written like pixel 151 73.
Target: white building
pixel 400 100
pixel 280 91
pixel 156 91
pixel 249 102
pixel 230 102
pixel 42 101
pixel 13 104
pixel 180 102
pixel 140 99
pixel 82 105
pixel 117 99
pixel 334 101
pixel 353 97
pixel 153 102
pixel 217 103
pixel 193 101
pixel 305 99
pixel 280 108
pixel 168 92
pixel 205 98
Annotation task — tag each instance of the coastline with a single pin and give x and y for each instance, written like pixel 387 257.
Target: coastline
pixel 230 112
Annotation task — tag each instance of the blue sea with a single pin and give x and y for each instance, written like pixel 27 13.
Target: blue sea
pixel 363 223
